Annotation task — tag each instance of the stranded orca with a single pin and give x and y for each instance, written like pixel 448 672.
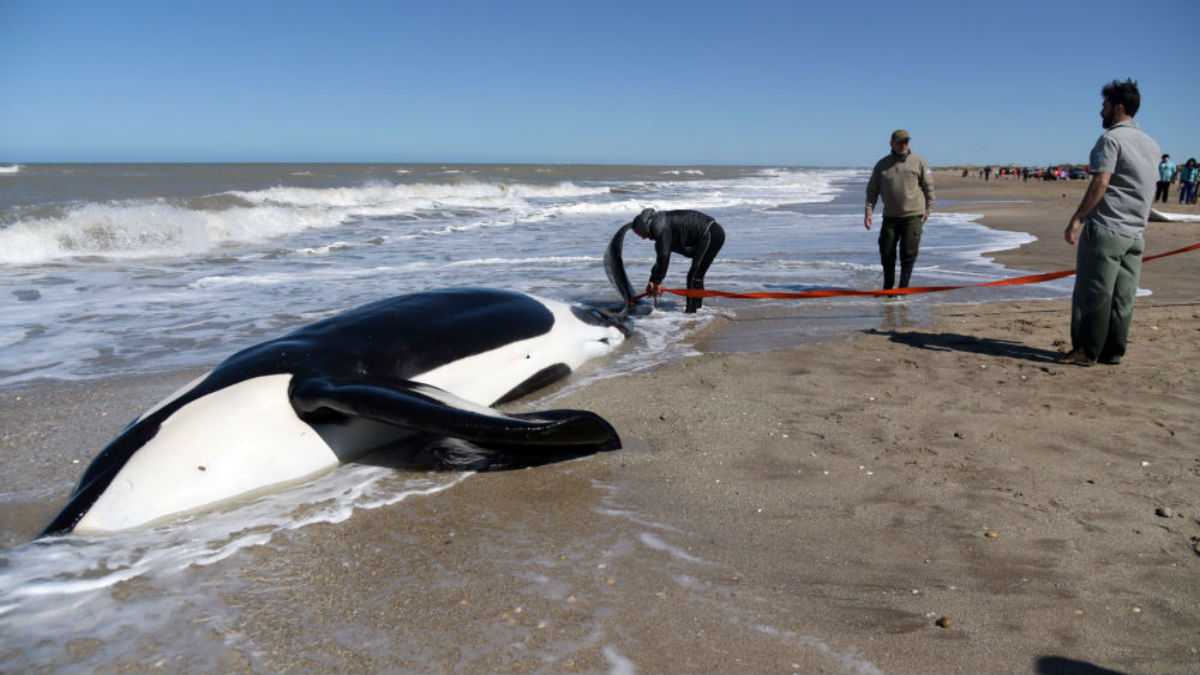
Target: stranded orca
pixel 422 368
pixel 614 267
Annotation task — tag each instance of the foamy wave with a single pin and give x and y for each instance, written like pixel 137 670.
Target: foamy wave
pixel 388 199
pixel 125 230
pixel 148 229
pixel 769 188
pixel 10 169
pixel 624 206
pixel 464 227
pixel 161 228
pixel 711 201
pixel 783 186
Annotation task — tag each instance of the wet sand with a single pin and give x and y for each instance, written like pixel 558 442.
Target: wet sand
pixel 933 494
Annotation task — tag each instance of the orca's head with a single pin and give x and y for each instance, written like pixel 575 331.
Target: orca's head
pixel 499 345
pixel 577 335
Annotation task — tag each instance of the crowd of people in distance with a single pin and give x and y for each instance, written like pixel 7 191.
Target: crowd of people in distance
pixel 1188 175
pixel 1058 172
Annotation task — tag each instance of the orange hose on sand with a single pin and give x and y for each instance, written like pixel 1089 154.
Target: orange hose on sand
pixel 912 290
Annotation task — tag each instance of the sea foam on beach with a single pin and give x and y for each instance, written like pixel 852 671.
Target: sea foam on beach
pixel 64 586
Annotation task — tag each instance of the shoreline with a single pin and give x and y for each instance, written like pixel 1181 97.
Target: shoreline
pixel 814 506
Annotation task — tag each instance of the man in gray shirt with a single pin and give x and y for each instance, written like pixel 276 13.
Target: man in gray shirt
pixel 1108 226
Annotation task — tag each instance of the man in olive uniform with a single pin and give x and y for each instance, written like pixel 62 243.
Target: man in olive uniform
pixel 906 185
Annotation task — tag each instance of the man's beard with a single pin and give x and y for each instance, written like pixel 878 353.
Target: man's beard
pixel 1109 120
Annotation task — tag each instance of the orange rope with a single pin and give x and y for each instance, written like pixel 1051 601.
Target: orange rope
pixel 912 290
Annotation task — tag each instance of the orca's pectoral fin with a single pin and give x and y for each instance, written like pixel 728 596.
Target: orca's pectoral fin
pixel 422 407
pixel 431 451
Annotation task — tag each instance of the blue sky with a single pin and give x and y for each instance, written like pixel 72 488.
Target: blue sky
pixel 696 82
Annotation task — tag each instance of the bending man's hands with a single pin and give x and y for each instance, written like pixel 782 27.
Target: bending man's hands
pixel 655 291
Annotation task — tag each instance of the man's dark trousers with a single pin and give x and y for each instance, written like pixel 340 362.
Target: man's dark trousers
pixel 904 231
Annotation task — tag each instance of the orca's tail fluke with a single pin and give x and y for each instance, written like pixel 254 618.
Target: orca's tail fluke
pixel 614 267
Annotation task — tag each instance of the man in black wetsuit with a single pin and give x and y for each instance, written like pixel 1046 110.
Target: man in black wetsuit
pixel 689 233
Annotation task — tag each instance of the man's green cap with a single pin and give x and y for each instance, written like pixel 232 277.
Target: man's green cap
pixel 900 135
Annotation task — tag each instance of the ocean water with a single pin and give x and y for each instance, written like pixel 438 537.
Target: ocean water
pixel 111 269
pixel 128 269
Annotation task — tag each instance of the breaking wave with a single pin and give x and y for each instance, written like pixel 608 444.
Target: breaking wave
pixel 138 229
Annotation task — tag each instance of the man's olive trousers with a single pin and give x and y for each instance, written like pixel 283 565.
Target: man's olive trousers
pixel 1107 267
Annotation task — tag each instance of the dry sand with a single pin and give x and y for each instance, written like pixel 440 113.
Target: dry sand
pixel 912 473
pixel 925 496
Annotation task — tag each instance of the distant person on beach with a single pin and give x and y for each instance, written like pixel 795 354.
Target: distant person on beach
pixel 689 233
pixel 1109 225
pixel 1166 174
pixel 1188 175
pixel 906 185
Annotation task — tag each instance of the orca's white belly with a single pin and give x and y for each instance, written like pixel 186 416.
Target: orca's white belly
pixel 222 445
